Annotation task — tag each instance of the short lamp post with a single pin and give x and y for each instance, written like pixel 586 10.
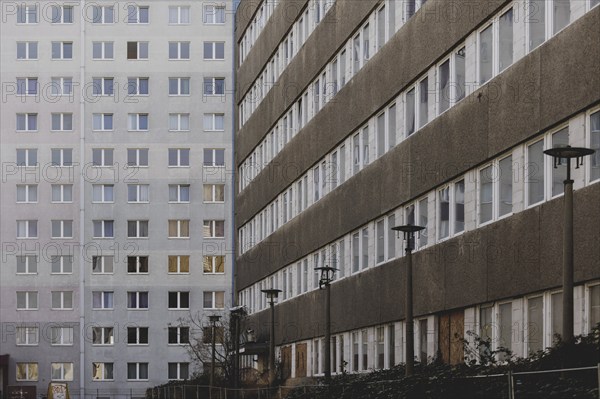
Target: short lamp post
pixel 272 295
pixel 561 156
pixel 327 274
pixel 409 232
pixel 214 319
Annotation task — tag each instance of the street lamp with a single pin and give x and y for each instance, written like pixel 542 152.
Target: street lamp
pixel 563 155
pixel 213 321
pixel 325 281
pixel 272 295
pixel 409 236
pixel 236 318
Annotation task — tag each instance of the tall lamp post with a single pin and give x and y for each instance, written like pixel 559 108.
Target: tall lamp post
pixel 236 318
pixel 325 281
pixel 213 322
pixel 565 155
pixel 409 236
pixel 272 295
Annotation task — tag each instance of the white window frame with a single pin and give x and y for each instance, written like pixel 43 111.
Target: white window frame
pixel 179 229
pixel 61 336
pixel 179 160
pixel 61 260
pixel 28 50
pixel 30 86
pixel 103 371
pixel 29 155
pixel 104 152
pixel 213 199
pixel 179 188
pixel 29 226
pixel 63 297
pixel 211 84
pixel 104 192
pixel 102 86
pixel 213 263
pixel 451 211
pixel 62 46
pixel 101 260
pixel 104 296
pixel 103 15
pixel 30 190
pixel 138 229
pixel 213 122
pixel 589 114
pixel 137 296
pixel 180 91
pixel 61 12
pixel 63 157
pixel 134 15
pixel 138 336
pixel 62 118
pixel 30 333
pixel 29 367
pixel 102 118
pixel 134 121
pixel 30 263
pixel 103 226
pixel 63 226
pixel 180 20
pixel 214 299
pixel 495 165
pixel 106 336
pixel 30 296
pixel 179 295
pixel 180 46
pixel 29 12
pixel 139 45
pixel 213 45
pixel 212 226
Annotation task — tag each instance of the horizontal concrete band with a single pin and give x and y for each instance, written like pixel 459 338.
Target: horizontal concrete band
pixel 420 42
pixel 510 258
pixel 553 83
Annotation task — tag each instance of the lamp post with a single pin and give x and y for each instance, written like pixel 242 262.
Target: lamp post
pixel 409 236
pixel 272 295
pixel 213 321
pixel 560 155
pixel 325 281
pixel 236 315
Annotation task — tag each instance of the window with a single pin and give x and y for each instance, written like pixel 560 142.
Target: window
pixel 61 264
pixel 27 229
pixel 137 14
pixel 595 144
pixel 179 86
pixel 137 264
pixel 62 86
pixel 451 209
pixel 102 371
pixel 214 264
pixel 62 122
pixel 137 157
pixel 214 300
pixel 178 371
pixel 27 14
pixel 214 122
pixel 137 86
pixel 102 122
pixel 102 50
pixel 62 157
pixel 179 15
pixel 594 307
pixel 179 229
pixel 26 264
pixel 103 336
pixel 214 229
pixel 27 372
pixel 505 327
pixel 61 336
pixel 360 150
pixel 26 157
pixel 137 335
pixel 214 50
pixel 138 193
pixel 62 193
pixel 62 14
pixel 103 193
pixel 62 50
pixel 538 165
pixel 179 264
pixel 214 193
pixel 214 14
pixel 423 102
pixel 27 122
pixel 102 300
pixel 179 122
pixel 137 371
pixel 214 157
pixel 27 50
pixel 103 264
pixel 103 228
pixel 179 157
pixel 410 111
pixel 495 190
pixel 486 54
pixel 138 122
pixel 27 300
pixel 103 86
pixel 27 193
pixel 179 300
pixel 451 80
pixel 103 14
pixel 360 250
pixel 27 86
pixel 27 336
pixel 62 300
pixel 214 86
pixel 179 335
pixel 535 325
pixel 496 47
pixel 179 50
pixel 179 193
pixel 137 300
pixel 102 157
pixel 137 50
pixel 137 228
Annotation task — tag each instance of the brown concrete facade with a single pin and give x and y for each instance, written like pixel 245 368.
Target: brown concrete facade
pixel 509 258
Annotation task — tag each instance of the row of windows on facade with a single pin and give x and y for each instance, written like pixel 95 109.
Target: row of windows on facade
pixel 136 193
pixel 287 49
pixel 63 122
pixel 104 157
pixel 263 13
pixel 109 14
pixel 63 229
pixel 136 300
pixel 135 50
pixel 482 196
pixel 483 55
pixel 64 371
pixel 105 264
pixel 523 326
pixel 107 86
